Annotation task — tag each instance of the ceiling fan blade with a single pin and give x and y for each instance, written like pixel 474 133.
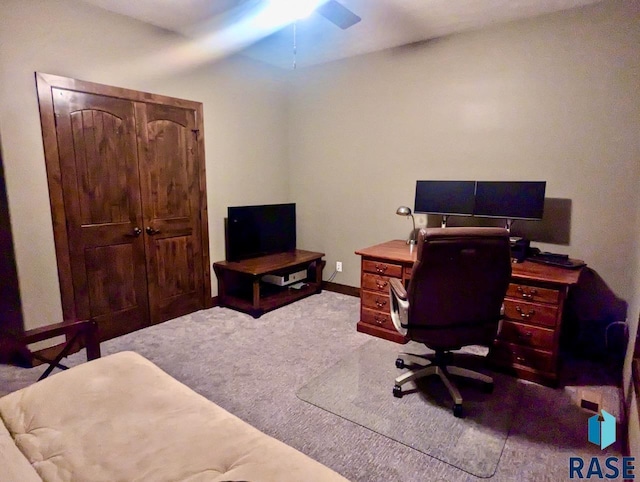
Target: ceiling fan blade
pixel 339 14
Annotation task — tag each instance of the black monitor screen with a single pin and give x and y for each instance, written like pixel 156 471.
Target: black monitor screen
pixel 260 230
pixel 445 197
pixel 510 200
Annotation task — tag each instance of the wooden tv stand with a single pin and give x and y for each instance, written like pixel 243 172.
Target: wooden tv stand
pixel 240 286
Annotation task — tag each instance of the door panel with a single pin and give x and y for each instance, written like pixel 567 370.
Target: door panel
pixel 171 209
pixel 169 184
pixel 175 262
pixel 99 166
pixel 110 279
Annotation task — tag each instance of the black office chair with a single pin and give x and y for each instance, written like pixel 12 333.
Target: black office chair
pixel 454 299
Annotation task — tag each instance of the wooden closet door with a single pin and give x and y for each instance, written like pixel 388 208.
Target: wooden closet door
pixel 96 138
pixel 171 203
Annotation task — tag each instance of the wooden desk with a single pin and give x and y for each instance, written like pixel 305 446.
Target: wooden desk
pixel 393 259
pixel 527 344
pixel 239 284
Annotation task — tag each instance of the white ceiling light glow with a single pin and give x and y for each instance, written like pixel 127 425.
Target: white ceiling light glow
pixel 287 11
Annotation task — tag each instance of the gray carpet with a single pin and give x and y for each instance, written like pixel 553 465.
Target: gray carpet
pixel 253 368
pixel 358 388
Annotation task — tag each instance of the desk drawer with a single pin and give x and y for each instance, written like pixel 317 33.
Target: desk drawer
pixel 534 313
pixel 509 354
pixel 377 318
pixel 533 293
pixel 382 268
pixel 375 282
pixel 375 301
pixel 528 335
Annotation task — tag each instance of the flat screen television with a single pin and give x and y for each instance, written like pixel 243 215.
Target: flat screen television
pixel 509 199
pixel 254 231
pixel 445 197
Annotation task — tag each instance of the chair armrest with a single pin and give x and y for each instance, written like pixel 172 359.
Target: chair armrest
pixel 398 289
pixel 45 332
pixel 399 308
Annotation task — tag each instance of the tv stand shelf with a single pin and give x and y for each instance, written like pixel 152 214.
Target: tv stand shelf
pixel 240 286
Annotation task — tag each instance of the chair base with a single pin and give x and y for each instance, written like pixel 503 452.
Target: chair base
pixel 437 365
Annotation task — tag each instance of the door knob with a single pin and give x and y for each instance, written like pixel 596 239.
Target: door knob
pixel 136 232
pixel 151 231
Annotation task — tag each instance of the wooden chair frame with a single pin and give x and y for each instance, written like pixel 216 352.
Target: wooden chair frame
pixel 83 331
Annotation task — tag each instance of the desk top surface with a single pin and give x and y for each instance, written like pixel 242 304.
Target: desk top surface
pixel 398 250
pixel 269 263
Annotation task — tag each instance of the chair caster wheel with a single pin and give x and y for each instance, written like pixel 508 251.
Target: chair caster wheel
pixel 397 391
pixel 487 388
pixel 400 363
pixel 457 410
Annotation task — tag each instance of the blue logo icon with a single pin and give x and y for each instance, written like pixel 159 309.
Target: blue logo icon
pixel 602 429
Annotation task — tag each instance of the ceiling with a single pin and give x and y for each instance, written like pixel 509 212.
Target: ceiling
pixel 223 27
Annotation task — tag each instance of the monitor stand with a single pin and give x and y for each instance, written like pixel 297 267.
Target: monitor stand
pixel 508 223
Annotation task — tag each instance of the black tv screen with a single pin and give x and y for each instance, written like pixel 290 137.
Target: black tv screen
pixel 510 200
pixel 445 197
pixel 254 231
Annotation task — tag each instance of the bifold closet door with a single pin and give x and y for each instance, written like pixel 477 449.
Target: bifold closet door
pixel 126 180
pixel 97 142
pixel 170 189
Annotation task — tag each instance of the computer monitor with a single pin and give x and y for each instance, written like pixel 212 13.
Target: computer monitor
pixel 445 197
pixel 510 200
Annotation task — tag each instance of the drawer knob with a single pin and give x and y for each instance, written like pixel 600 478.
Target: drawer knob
pixel 524 315
pixel 378 320
pixel 520 359
pixel 381 268
pixel 381 285
pixel 525 336
pixel 527 294
pixel 380 303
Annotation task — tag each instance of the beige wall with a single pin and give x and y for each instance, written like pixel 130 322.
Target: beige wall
pixel 244 108
pixel 554 98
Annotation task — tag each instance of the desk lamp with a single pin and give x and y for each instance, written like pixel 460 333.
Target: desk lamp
pixel 406 211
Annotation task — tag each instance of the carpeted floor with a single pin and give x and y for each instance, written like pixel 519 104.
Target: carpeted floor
pixel 253 368
pixel 358 388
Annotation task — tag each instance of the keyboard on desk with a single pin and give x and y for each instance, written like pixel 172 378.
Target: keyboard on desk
pixel 560 260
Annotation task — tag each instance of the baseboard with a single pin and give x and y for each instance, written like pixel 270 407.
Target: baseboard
pixel 343 289
pixel 215 301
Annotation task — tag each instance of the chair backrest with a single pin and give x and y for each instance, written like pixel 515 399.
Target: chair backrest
pixel 457 286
